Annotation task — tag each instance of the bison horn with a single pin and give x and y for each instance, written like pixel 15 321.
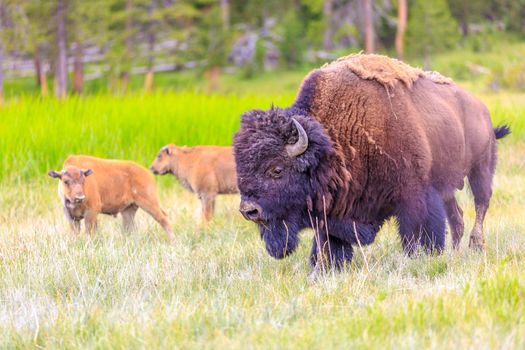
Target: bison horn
pixel 301 145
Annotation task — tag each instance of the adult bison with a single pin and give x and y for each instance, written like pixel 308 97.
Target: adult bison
pixel 367 138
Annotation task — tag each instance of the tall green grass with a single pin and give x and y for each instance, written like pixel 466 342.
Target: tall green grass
pixel 36 134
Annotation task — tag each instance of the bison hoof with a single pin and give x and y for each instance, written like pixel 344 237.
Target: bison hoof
pixel 477 243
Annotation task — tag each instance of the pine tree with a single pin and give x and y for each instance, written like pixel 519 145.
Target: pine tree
pixel 31 30
pixel 431 28
pixel 87 23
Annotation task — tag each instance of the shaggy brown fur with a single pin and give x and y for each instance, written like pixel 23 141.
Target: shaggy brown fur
pixel 385 70
pixel 426 131
pixel 89 186
pixel 205 170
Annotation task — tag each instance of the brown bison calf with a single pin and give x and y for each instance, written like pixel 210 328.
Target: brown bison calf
pixel 205 170
pixel 89 186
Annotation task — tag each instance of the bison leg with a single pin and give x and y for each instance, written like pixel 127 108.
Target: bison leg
pixel 152 207
pixel 422 220
pixel 207 205
pixel 434 228
pixel 480 180
pixel 75 226
pixel 91 222
pixel 455 220
pixel 335 252
pixel 128 218
pixel 409 218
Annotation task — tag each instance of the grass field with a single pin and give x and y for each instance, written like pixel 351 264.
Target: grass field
pixel 217 287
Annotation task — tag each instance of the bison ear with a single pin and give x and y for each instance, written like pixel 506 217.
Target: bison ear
pixel 167 150
pixel 87 172
pixel 55 174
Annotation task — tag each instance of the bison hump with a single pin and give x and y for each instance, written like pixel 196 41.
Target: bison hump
pixel 385 70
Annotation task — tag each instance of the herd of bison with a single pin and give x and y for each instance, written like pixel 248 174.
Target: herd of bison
pixel 366 139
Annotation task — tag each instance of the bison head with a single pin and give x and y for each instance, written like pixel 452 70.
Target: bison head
pixel 280 155
pixel 162 164
pixel 72 181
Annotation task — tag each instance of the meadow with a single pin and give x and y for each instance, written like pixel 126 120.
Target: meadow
pixel 217 287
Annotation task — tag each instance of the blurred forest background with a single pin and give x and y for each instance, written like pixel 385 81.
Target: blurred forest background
pixel 63 47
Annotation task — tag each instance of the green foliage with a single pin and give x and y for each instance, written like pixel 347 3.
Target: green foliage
pixel 511 12
pixel 431 28
pixel 292 46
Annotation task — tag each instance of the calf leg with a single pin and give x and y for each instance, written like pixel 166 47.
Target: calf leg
pixel 91 222
pixel 128 218
pixel 455 220
pixel 480 179
pixel 151 206
pixel 207 205
pixel 73 224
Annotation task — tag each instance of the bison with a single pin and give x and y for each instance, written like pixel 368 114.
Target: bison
pixel 366 139
pixel 205 170
pixel 89 186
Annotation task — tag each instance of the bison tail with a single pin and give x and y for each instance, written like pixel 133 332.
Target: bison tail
pixel 501 131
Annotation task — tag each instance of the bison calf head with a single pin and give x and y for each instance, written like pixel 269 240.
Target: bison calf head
pixel 72 183
pixel 163 163
pixel 277 152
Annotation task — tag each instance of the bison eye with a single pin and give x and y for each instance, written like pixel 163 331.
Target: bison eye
pixel 67 182
pixel 275 172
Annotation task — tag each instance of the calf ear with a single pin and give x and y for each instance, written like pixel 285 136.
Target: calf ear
pixel 54 174
pixel 167 150
pixel 87 172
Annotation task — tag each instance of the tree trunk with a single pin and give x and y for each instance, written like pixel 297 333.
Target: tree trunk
pixel 43 83
pixel 38 66
pixel 1 74
pixel 402 11
pixel 328 31
pixel 41 71
pixel 61 64
pixel 78 69
pixel 369 26
pixel 124 74
pixel 42 79
pixel 212 75
pixel 148 80
pixel 150 37
pixel 225 14
pixel 1 57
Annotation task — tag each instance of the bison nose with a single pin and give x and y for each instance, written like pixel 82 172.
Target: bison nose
pixel 153 170
pixel 80 199
pixel 251 211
